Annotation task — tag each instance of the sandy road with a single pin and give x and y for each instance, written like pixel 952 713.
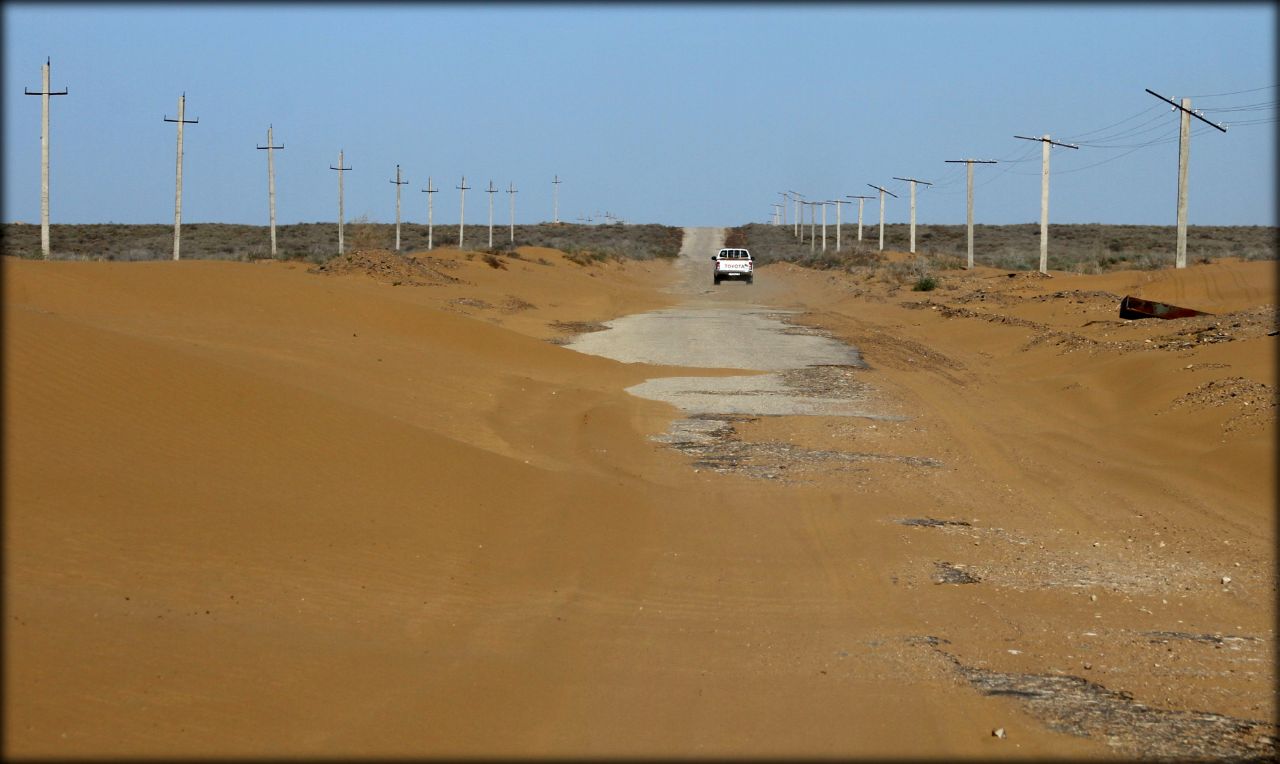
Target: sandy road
pixel 356 520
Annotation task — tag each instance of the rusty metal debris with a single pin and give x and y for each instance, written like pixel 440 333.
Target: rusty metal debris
pixel 1135 307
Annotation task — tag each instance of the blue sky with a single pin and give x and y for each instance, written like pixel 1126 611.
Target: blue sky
pixel 677 114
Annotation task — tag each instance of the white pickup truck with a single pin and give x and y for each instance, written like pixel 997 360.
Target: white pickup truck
pixel 731 263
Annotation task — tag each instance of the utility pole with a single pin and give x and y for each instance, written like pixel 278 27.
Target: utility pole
pixel 177 204
pixel 340 168
pixel 491 191
pixel 462 209
pixel 1044 195
pixel 860 199
pixel 785 199
pixel 511 194
pixel 777 212
pixel 1184 157
pixel 799 231
pixel 969 198
pixel 813 224
pixel 913 183
pixel 44 94
pixel 271 186
pixel 555 195
pixel 398 183
pixel 824 225
pixel 837 203
pixel 882 191
pixel 429 191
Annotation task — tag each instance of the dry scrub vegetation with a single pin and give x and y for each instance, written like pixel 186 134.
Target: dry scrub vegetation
pixel 1089 248
pixel 318 242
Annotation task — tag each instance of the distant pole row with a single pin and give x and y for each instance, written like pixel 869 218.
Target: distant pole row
pixel 44 92
pixel 1184 150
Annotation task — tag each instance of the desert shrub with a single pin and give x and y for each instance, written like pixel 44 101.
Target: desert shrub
pixel 494 261
pixel 925 284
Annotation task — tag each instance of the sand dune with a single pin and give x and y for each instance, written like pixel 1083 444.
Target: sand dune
pixel 253 509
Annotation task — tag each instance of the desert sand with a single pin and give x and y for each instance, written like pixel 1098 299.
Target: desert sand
pixel 252 509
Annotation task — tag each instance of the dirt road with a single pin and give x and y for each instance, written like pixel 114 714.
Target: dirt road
pixel 725 327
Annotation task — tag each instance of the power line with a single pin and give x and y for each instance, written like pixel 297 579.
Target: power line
pixel 1147 110
pixel 1234 92
pixel 1261 106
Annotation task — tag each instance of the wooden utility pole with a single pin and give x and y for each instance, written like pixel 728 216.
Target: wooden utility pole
pixel 44 94
pixel 177 205
pixel 837 203
pixel 398 183
pixel 882 191
pixel 491 191
pixel 429 191
pixel 860 199
pixel 1044 195
pixel 271 186
pixel 969 199
pixel 1184 159
pixel 511 194
pixel 462 208
pixel 555 196
pixel 340 168
pixel 913 183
